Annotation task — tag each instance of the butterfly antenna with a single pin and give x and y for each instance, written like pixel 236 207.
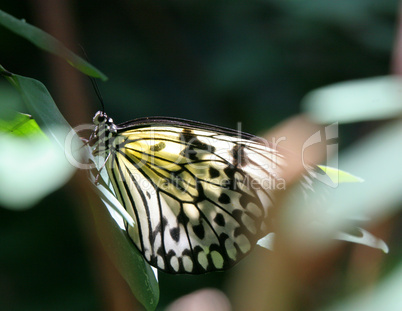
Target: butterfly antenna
pixel 94 83
pixel 97 92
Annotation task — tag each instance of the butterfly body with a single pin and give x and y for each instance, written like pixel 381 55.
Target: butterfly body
pixel 200 195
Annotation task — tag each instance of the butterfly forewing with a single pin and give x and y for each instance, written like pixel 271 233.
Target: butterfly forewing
pixel 200 195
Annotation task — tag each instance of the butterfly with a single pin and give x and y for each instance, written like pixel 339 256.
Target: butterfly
pixel 201 196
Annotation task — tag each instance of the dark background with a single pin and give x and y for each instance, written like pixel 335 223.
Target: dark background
pixel 219 62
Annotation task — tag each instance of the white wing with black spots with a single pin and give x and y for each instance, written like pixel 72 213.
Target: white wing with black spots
pixel 200 195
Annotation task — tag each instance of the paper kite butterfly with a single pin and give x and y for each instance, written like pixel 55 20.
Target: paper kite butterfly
pixel 200 195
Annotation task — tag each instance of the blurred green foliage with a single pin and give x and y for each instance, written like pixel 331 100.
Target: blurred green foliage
pixel 217 62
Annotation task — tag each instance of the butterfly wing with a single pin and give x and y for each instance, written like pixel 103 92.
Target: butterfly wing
pixel 200 195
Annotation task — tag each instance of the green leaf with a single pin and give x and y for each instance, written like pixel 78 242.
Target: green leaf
pixel 361 100
pixel 20 125
pixel 378 159
pixel 267 241
pixel 32 163
pixel 11 101
pixel 48 43
pixel 385 296
pixel 41 106
pixel 31 167
pixel 39 103
pixel 365 238
pixel 338 176
pixel 128 260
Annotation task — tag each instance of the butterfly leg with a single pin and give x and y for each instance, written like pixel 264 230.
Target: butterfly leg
pixel 100 169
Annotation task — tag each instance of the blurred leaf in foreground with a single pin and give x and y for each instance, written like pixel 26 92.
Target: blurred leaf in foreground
pixel 386 296
pixel 352 101
pixel 32 159
pixel 48 43
pixel 31 166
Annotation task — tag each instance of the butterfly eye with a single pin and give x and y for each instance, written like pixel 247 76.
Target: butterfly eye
pixel 99 117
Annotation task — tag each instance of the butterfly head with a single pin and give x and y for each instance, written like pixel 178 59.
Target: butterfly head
pixel 102 121
pixel 104 131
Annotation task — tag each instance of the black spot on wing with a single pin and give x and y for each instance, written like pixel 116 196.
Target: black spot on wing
pixel 239 156
pixel 186 252
pixel 224 198
pixel 182 218
pixel 161 251
pixel 246 198
pixel 193 144
pixel 223 237
pixel 229 171
pixel 213 173
pixel 175 234
pixel 238 231
pixel 158 230
pixel 202 146
pixel 215 247
pixel 199 231
pixel 158 147
pixel 219 220
pixel 237 215
pixel 189 153
pixel 200 193
pixel 187 135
